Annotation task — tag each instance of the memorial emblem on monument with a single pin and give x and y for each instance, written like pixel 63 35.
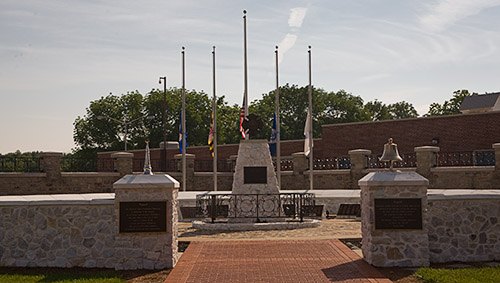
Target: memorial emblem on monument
pixel 253 123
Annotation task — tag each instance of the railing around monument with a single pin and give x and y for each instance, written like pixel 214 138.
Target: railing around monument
pixel 256 206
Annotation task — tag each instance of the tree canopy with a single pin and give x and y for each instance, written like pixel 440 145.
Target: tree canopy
pixel 449 107
pixel 107 119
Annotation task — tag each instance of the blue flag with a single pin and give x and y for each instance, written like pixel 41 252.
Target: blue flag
pixel 274 136
pixel 181 148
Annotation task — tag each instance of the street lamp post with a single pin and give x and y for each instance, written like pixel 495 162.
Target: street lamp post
pixel 124 124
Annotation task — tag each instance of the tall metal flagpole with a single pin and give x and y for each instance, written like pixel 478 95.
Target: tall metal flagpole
pixel 183 122
pixel 164 150
pixel 311 165
pixel 214 111
pixel 278 149
pixel 245 56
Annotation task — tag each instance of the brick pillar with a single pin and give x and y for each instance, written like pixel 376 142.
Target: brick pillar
pixel 50 163
pixel 189 169
pixel 300 163
pixel 426 159
pixel 359 162
pixel 123 162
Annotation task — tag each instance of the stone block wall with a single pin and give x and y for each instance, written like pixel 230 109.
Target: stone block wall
pixel 79 230
pixel 464 229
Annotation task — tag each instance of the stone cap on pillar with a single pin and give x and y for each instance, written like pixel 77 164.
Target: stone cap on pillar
pixel 360 151
pixel 426 148
pixel 298 153
pixel 496 145
pixel 393 178
pixel 122 155
pixel 146 182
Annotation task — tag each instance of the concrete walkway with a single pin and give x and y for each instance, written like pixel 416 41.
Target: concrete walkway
pixel 272 261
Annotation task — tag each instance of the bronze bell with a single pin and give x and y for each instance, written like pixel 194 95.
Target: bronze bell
pixel 391 153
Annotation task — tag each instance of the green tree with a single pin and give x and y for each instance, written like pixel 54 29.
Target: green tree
pixel 449 107
pixel 402 110
pixel 378 111
pixel 328 108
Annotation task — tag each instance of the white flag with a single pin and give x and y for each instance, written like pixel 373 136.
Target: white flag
pixel 308 139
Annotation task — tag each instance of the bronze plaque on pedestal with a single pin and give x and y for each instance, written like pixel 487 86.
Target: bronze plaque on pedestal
pixel 398 214
pixel 255 175
pixel 143 216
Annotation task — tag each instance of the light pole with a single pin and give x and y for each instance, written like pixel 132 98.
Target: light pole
pixel 164 151
pixel 124 124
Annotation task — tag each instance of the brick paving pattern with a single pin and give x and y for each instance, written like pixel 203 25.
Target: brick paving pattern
pixel 272 261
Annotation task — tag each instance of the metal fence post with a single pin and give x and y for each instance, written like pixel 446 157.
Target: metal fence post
pixel 213 208
pixel 301 208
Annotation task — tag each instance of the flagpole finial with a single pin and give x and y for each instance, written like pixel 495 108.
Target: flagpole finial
pixel 309 48
pixel 276 47
pixel 183 49
pixel 213 49
pixel 245 12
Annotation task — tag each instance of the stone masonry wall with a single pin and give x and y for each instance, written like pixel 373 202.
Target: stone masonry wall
pixel 78 233
pixel 464 229
pixel 58 236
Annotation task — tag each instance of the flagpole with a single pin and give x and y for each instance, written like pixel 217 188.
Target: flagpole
pixel 183 122
pixel 245 62
pixel 214 111
pixel 311 164
pixel 278 150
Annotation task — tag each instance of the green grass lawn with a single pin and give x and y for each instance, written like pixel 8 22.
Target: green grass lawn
pixel 85 277
pixel 465 275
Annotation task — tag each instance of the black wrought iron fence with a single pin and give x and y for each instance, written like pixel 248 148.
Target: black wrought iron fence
pixel 158 166
pixel 105 165
pixel 409 160
pixel 73 164
pixel 286 164
pixel 466 158
pixel 19 164
pixel 257 206
pixel 208 165
pixel 332 163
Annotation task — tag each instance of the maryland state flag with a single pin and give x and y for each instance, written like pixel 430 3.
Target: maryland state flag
pixel 211 136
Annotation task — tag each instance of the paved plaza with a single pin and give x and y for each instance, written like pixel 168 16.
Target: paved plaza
pixel 272 261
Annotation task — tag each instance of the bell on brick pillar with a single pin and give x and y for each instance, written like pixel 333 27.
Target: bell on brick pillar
pixel 390 153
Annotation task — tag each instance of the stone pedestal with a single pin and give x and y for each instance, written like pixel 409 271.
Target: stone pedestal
pixel 254 174
pixel 393 219
pixel 146 233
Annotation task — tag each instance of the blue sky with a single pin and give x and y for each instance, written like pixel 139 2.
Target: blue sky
pixel 57 56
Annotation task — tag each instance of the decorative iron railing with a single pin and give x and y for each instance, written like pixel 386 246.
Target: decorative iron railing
pixel 208 166
pixel 466 158
pixel 286 164
pixel 73 164
pixel 409 160
pixel 156 164
pixel 19 164
pixel 332 163
pixel 257 206
pixel 105 165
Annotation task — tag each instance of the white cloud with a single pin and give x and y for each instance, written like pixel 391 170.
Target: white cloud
pixel 447 12
pixel 296 17
pixel 286 44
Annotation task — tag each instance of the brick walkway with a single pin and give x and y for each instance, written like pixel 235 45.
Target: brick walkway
pixel 272 261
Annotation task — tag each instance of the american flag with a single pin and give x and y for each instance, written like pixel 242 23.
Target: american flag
pixel 242 117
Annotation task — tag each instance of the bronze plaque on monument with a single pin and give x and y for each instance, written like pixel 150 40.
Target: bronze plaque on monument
pixel 255 175
pixel 398 214
pixel 143 216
